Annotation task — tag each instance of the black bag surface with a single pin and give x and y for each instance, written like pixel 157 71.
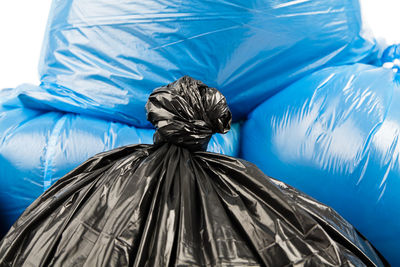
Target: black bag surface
pixel 172 204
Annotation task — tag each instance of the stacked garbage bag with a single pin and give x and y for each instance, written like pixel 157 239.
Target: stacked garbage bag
pixel 104 58
pixel 307 108
pixel 338 140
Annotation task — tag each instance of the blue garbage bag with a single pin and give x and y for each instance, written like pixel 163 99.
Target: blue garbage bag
pixel 103 58
pixel 38 147
pixel 335 135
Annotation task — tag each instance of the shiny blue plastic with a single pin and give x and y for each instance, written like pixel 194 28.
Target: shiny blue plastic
pixel 391 57
pixel 336 135
pixel 38 147
pixel 103 57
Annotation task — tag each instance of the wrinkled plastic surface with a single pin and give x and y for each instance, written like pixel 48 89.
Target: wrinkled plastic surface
pixel 391 57
pixel 37 148
pixel 335 136
pixel 104 57
pixel 171 204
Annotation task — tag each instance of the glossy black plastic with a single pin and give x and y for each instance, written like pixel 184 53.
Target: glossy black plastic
pixel 172 204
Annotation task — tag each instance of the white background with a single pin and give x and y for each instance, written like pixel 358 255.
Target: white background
pixel 22 25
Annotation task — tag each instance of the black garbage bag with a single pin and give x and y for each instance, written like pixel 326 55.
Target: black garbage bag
pixel 173 204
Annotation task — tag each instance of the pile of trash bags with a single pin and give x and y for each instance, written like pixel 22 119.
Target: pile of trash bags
pixel 38 147
pixel 172 204
pixel 310 106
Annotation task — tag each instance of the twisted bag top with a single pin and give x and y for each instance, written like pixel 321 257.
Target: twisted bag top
pixel 187 113
pixel 171 204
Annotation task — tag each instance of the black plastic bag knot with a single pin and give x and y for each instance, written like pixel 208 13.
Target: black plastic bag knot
pixel 187 112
